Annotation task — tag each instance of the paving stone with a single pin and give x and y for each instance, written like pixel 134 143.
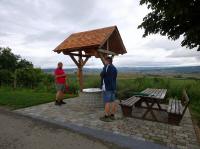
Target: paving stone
pixel 191 146
pixel 181 137
pixel 181 147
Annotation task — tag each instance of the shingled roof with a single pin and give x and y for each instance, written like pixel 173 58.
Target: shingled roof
pixel 89 41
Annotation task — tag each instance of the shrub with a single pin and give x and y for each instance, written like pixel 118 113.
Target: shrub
pixel 6 77
pixel 29 77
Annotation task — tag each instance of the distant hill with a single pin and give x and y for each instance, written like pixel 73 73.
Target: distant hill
pixel 144 70
pixel 162 70
pixel 73 70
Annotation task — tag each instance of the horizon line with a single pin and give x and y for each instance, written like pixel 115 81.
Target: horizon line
pixel 172 66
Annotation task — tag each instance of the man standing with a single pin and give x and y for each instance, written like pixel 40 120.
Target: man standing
pixel 60 81
pixel 108 77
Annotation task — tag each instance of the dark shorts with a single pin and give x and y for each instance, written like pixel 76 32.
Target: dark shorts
pixel 108 96
pixel 61 87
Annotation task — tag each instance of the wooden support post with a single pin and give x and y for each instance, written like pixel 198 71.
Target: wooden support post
pixel 79 63
pixel 80 71
pixel 80 78
pixel 102 58
pixel 74 60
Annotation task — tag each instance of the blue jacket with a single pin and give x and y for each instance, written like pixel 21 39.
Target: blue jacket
pixel 109 77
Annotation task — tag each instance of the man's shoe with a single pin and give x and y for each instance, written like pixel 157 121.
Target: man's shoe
pixel 105 118
pixel 62 102
pixel 57 103
pixel 112 117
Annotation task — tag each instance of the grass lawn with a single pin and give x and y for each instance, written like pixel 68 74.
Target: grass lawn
pixel 21 98
pixel 127 84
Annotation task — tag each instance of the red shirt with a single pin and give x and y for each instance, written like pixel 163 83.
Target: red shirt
pixel 60 80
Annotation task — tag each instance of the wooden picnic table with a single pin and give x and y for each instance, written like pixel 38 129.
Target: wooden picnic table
pixel 151 97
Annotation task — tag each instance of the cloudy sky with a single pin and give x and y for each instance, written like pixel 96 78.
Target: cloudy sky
pixel 33 28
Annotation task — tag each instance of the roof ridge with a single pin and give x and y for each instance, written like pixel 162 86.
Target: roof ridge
pixel 92 40
pixel 114 26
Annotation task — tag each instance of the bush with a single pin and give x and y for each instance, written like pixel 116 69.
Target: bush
pixel 6 77
pixel 29 77
pixel 48 82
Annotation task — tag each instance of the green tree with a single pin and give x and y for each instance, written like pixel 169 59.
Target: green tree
pixel 173 18
pixel 8 60
pixel 48 81
pixel 19 72
pixel 29 77
pixel 22 63
pixel 6 77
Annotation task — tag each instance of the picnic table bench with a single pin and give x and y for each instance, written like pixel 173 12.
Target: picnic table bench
pixel 127 105
pixel 151 97
pixel 176 108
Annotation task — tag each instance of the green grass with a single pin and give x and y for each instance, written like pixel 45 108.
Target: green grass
pixel 21 98
pixel 127 84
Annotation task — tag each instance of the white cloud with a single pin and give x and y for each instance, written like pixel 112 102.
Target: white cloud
pixel 34 28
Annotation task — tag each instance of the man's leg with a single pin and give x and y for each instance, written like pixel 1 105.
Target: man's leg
pixel 62 95
pixel 106 117
pixel 113 108
pixel 107 103
pixel 58 97
pixel 106 100
pixel 107 109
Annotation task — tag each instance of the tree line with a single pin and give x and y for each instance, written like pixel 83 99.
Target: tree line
pixel 18 72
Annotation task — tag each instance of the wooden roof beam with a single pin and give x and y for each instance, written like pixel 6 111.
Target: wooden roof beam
pixel 107 52
pixel 86 59
pixel 76 54
pixel 75 61
pixel 102 58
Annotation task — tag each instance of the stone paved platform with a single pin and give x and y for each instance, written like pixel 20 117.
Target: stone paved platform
pixel 181 137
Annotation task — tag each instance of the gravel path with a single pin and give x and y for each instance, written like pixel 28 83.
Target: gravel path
pixel 18 132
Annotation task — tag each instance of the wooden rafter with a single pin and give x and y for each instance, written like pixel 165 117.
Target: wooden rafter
pixel 102 58
pixel 106 52
pixel 80 59
pixel 75 61
pixel 104 41
pixel 107 45
pixel 85 61
pixel 76 54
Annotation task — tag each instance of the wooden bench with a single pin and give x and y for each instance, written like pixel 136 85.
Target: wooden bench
pixel 127 105
pixel 176 108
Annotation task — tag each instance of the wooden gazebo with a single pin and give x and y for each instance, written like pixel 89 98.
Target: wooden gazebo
pixel 99 43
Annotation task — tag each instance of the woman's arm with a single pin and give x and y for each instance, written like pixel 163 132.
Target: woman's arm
pixel 58 76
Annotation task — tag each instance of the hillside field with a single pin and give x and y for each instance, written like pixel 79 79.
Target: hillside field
pixel 127 84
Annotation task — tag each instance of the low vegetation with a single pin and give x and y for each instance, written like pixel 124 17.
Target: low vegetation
pixel 128 84
pixel 22 85
pixel 21 98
